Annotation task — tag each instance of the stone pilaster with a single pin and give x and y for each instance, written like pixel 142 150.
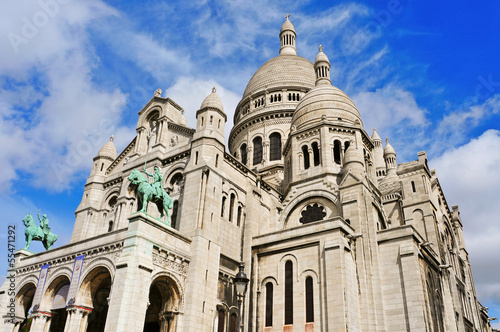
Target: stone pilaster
pixel 334 276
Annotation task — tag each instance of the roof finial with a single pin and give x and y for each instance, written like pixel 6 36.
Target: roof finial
pixel 320 48
pixel 214 89
pixel 287 16
pixel 387 139
pixel 112 138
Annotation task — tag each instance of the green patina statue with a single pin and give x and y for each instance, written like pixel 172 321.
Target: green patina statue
pixel 152 192
pixel 38 233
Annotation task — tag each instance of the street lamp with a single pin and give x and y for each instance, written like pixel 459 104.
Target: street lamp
pixel 241 281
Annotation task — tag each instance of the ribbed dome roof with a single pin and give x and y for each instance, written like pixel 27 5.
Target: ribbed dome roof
pixel 352 155
pixel 108 150
pixel 287 26
pixel 285 70
pixel 212 101
pixel 388 148
pixel 321 57
pixel 325 101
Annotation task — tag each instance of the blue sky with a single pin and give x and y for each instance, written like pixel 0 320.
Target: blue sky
pixel 72 73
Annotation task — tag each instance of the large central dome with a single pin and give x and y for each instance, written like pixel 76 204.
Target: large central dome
pixel 285 70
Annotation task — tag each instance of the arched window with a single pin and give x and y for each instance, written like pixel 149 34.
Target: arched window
pixel 222 321
pixel 173 217
pixel 346 145
pixel 223 206
pixel 238 218
pixel 309 300
pixel 315 149
pixel 231 206
pixel 211 119
pixel 110 226
pixel 336 151
pixel 413 186
pixel 289 292
pixel 305 152
pixel 257 150
pixel 269 304
pixel 243 153
pixel 233 322
pixel 275 149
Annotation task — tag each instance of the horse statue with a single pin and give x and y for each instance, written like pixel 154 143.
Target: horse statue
pixel 37 233
pixel 147 193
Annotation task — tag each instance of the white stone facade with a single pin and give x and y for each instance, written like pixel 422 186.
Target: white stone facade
pixel 333 233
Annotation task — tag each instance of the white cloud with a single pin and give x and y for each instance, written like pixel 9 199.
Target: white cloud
pixel 396 114
pixel 454 126
pixel 469 177
pixel 69 116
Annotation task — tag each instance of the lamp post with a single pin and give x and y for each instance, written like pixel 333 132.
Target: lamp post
pixel 241 281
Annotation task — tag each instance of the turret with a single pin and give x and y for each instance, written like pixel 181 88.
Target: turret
pixel 378 155
pixel 322 68
pixel 353 160
pixel 390 158
pixel 211 118
pixel 287 37
pixel 106 155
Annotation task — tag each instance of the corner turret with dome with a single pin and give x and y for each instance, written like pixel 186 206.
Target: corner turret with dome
pixel 211 119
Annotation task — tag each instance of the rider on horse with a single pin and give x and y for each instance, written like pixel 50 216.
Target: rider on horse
pixel 158 182
pixel 44 224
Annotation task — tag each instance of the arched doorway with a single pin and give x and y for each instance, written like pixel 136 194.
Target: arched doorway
pixel 24 301
pixel 94 293
pixel 163 308
pixel 58 308
pixel 54 299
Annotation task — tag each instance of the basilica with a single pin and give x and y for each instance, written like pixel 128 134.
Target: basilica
pixel 300 220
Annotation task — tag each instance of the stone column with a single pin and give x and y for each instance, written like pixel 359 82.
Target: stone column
pixel 78 316
pixel 12 324
pixel 265 152
pixel 84 322
pixel 39 321
pixel 249 155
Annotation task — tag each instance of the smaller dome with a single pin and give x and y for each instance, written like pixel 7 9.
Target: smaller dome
pixel 321 57
pixel 108 149
pixel 287 25
pixel 375 135
pixel 326 102
pixel 388 148
pixel 212 101
pixel 352 155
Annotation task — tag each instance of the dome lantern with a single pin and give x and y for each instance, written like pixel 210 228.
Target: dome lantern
pixel 287 37
pixel 322 68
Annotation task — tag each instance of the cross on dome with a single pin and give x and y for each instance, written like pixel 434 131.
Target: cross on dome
pixel 320 48
pixel 214 89
pixel 287 16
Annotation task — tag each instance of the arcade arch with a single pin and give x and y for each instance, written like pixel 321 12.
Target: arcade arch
pixel 164 303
